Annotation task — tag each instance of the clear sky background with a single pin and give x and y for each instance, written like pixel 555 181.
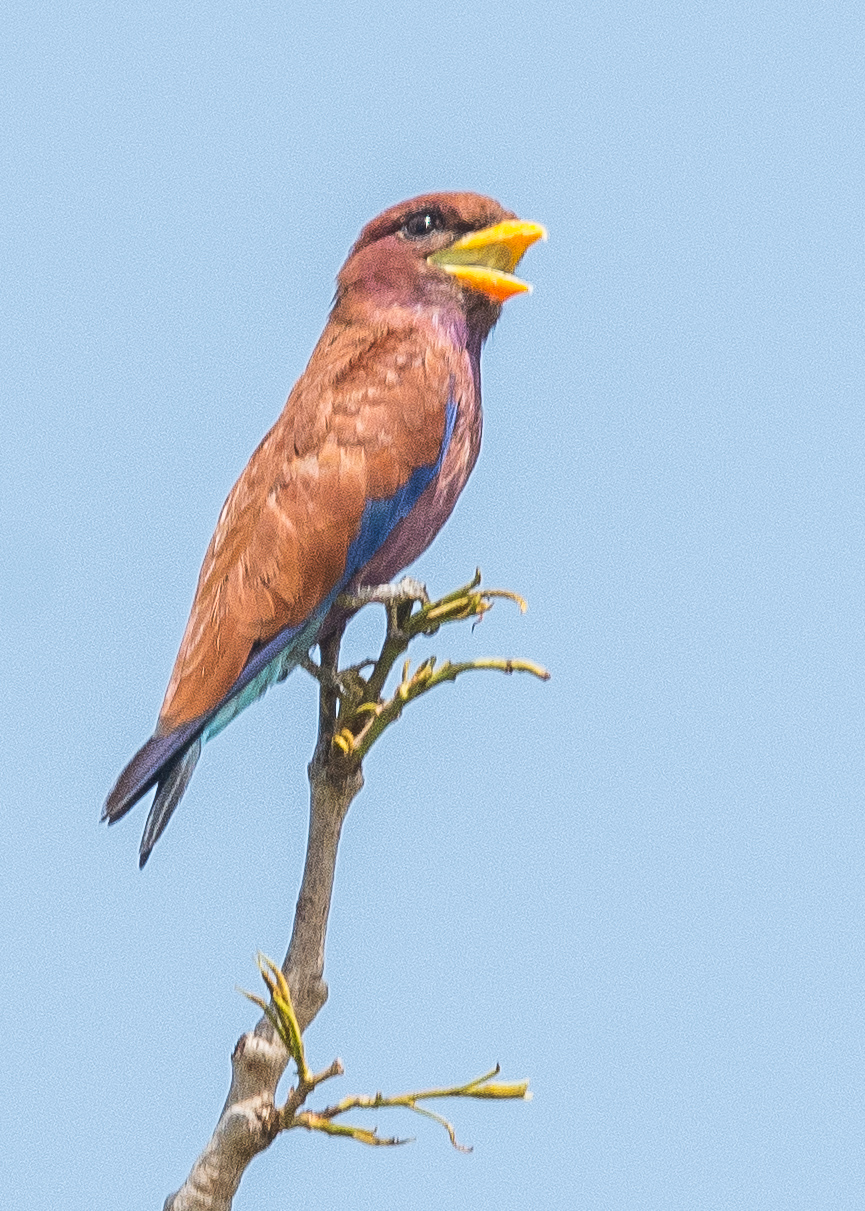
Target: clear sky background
pixel 640 885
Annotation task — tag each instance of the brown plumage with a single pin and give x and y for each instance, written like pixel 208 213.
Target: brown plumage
pixel 369 410
pixel 356 477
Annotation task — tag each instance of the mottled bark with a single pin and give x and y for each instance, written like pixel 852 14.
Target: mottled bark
pixel 249 1121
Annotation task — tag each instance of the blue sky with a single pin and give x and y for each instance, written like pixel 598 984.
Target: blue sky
pixel 640 885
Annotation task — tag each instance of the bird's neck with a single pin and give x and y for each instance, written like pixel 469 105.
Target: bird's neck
pixel 441 324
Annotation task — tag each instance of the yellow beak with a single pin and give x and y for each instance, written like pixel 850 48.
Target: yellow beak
pixel 485 260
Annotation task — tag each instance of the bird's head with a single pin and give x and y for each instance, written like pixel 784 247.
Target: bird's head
pixel 451 254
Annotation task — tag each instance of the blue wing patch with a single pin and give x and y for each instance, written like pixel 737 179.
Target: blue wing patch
pixel 380 517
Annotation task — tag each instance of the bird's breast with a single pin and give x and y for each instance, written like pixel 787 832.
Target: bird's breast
pixel 411 537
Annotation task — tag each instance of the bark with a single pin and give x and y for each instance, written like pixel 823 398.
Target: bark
pixel 248 1122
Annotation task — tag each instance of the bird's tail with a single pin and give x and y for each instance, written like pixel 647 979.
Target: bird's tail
pixel 172 783
pixel 165 762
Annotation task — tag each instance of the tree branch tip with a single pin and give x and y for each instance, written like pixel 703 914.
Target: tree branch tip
pixel 503 1090
pixel 507 595
pixel 280 1013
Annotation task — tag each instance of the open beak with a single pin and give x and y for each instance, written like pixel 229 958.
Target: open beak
pixel 485 260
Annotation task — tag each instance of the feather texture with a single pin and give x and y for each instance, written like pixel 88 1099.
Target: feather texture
pixel 353 481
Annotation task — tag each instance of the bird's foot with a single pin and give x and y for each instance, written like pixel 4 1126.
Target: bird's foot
pixel 404 592
pixel 398 599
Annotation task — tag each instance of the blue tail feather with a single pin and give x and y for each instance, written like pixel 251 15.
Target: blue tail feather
pixel 172 784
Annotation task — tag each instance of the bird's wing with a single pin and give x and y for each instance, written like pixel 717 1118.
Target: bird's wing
pixel 362 435
pixel 358 441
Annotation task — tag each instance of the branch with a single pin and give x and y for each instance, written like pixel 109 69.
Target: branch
pixel 249 1120
pixel 280 1013
pixel 353 714
pixel 363 714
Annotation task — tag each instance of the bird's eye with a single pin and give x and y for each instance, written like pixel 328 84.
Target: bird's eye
pixel 424 223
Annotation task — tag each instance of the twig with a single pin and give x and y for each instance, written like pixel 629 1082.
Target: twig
pixel 280 1013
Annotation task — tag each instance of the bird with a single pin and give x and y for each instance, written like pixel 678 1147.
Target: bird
pixel 357 476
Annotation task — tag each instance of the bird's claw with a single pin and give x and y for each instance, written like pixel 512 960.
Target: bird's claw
pixel 403 592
